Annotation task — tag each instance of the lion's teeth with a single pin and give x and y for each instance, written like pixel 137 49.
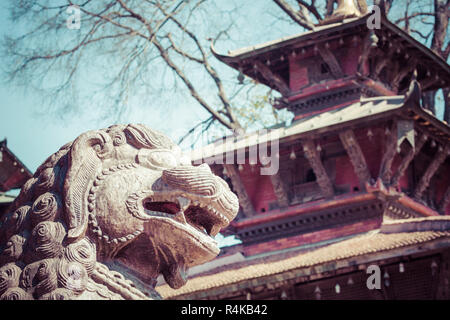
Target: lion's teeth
pixel 215 230
pixel 183 202
pixel 180 217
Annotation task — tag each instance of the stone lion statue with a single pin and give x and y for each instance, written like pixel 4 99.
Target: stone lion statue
pixel 108 213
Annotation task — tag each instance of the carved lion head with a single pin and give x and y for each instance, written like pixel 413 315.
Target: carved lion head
pixel 122 195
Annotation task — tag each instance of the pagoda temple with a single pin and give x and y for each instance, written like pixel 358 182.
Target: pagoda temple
pixel 363 175
pixel 13 174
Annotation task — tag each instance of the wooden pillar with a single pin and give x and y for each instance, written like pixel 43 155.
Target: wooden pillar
pixel 424 182
pixel 313 157
pixel 238 186
pixel 356 156
pixel 411 65
pixel 389 155
pixel 408 158
pixel 275 79
pixel 331 61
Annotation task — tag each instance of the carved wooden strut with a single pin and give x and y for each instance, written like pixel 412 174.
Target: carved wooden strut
pixel 431 170
pixel 357 158
pixel 313 157
pixel 244 200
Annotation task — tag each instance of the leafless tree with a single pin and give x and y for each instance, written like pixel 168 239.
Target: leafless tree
pixel 134 43
pixel 129 39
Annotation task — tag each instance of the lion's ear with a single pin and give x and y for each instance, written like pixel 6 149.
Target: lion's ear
pixel 85 159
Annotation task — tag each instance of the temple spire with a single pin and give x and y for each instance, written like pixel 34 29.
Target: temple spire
pixel 347 9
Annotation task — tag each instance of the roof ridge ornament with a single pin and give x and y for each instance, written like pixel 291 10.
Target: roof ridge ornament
pixel 347 9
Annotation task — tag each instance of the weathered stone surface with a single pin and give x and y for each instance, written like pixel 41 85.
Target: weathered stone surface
pixel 121 198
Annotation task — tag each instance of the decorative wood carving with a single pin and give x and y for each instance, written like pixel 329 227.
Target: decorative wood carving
pixel 244 200
pixel 331 61
pixel 389 155
pixel 408 158
pixel 382 61
pixel 356 156
pixel 279 82
pixel 369 45
pixel 280 190
pixel 124 188
pixel 431 170
pixel 313 157
pixel 429 81
pixel 411 65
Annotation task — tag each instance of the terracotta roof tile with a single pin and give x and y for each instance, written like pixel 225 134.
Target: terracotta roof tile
pixel 360 245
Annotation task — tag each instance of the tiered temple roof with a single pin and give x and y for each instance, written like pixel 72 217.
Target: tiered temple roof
pixel 360 157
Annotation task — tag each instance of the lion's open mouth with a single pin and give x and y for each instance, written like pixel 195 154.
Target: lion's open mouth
pixel 197 214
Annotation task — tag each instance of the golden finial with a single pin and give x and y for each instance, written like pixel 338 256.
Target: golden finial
pixel 347 9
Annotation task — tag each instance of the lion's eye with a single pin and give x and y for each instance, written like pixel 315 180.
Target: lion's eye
pixel 157 159
pixel 163 159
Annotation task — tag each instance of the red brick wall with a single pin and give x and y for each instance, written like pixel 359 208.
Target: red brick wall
pixel 345 175
pixel 298 75
pixel 313 237
pixel 259 188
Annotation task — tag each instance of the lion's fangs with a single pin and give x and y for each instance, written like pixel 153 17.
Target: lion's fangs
pixel 184 203
pixel 180 217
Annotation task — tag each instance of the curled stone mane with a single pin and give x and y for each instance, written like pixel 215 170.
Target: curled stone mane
pixel 61 232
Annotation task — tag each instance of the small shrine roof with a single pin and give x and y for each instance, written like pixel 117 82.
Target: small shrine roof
pixel 284 41
pixel 243 58
pixel 13 173
pixel 368 246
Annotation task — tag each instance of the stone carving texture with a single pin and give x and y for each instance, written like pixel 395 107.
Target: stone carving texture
pixel 121 198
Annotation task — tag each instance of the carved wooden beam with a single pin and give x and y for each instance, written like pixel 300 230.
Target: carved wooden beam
pixel 313 157
pixel 445 201
pixel 275 79
pixel 280 190
pixel 369 45
pixel 330 60
pixel 238 186
pixel 424 182
pixel 410 67
pixel 389 155
pixel 408 158
pixel 383 59
pixel 356 156
pixel 429 81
